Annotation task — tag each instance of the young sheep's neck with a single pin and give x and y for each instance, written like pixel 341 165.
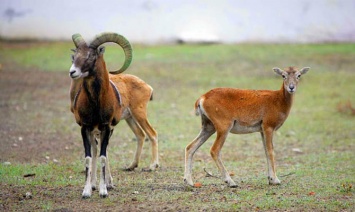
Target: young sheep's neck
pixel 287 99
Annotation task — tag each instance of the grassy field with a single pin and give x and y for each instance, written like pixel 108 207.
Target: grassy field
pixel 319 176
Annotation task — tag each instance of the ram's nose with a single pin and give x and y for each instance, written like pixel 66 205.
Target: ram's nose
pixel 71 73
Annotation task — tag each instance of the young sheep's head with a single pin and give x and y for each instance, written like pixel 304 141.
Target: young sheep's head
pixel 85 56
pixel 291 77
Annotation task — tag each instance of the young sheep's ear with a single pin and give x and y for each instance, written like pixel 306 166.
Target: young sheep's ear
pixel 304 70
pixel 101 50
pixel 277 71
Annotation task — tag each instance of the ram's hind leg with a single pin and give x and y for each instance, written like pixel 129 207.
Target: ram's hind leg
pixel 140 116
pixel 108 177
pixel 138 132
pixel 94 142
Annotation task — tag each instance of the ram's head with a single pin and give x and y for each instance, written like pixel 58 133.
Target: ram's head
pixel 84 57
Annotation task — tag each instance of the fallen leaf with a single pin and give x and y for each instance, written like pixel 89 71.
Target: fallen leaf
pixel 312 193
pixel 198 185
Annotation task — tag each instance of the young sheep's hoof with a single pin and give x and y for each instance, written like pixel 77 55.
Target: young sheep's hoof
pixel 274 181
pixel 188 182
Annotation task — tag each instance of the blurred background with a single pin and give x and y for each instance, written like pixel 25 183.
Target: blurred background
pixel 160 21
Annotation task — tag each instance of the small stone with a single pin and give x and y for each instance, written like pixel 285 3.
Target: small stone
pixel 297 150
pixel 28 195
pixel 47 157
pixel 7 163
pixel 20 138
pixel 14 145
pixel 55 161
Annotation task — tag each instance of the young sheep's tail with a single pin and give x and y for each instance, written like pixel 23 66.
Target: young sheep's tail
pixel 198 110
pixel 151 93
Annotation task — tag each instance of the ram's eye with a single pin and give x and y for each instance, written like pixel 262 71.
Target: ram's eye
pixel 72 58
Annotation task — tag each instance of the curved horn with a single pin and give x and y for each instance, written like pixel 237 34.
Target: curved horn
pixel 78 40
pixel 120 40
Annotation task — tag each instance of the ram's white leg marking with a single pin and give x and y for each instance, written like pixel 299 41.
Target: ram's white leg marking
pixel 102 187
pixel 88 187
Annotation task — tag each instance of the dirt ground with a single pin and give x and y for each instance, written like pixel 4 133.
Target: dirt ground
pixel 31 102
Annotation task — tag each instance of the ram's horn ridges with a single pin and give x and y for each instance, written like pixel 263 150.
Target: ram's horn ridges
pixel 120 40
pixel 77 39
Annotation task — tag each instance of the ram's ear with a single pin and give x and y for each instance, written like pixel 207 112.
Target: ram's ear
pixel 101 50
pixel 304 70
pixel 277 71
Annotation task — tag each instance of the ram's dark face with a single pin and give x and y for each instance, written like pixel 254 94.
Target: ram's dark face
pixel 83 61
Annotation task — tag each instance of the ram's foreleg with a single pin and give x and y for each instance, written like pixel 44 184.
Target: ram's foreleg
pixel 105 136
pixel 86 134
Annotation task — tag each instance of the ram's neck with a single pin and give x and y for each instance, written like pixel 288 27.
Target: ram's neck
pixel 97 85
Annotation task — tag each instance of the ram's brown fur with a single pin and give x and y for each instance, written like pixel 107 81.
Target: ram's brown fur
pixel 99 100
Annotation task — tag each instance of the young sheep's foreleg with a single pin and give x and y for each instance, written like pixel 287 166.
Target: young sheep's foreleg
pixel 267 135
pixel 105 135
pixel 86 135
pixel 215 153
pixel 137 130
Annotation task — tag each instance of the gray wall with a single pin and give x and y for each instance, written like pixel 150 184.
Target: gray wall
pixel 162 21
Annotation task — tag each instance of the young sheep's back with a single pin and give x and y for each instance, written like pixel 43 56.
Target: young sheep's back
pixel 235 103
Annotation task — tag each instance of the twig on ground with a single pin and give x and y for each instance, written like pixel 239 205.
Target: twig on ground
pixel 208 174
pixel 285 175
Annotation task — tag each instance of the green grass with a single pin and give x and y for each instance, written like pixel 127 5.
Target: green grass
pixel 318 179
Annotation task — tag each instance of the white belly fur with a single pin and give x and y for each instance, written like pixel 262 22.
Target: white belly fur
pixel 242 129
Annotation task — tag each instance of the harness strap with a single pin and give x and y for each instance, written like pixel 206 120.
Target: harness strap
pixel 76 97
pixel 118 95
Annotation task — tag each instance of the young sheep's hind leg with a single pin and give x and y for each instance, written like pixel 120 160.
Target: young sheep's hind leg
pixel 206 131
pixel 215 153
